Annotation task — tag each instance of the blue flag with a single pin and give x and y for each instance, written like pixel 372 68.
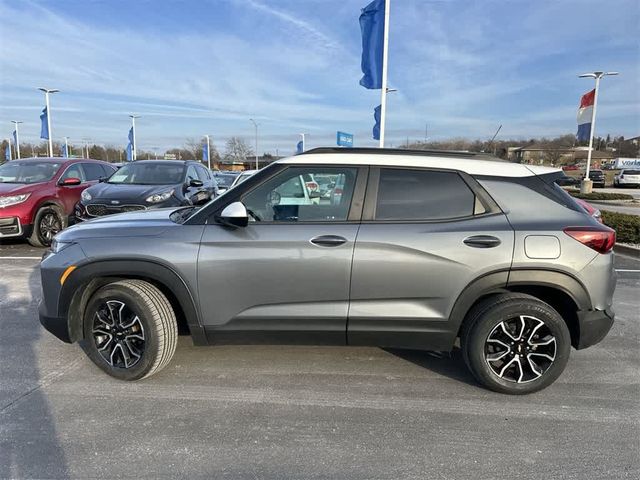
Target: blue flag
pixel 372 28
pixel 299 147
pixel 376 126
pixel 130 146
pixel 44 126
pixel 15 138
pixel 205 153
pixel 7 152
pixel 65 154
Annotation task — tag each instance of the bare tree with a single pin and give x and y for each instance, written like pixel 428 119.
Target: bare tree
pixel 237 149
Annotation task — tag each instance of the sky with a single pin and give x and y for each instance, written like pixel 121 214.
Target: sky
pixel 194 67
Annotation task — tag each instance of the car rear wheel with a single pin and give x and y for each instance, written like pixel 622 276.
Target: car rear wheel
pixel 47 223
pixel 515 343
pixel 130 329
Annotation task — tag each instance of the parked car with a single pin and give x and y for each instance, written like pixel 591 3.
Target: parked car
pixel 627 178
pixel 590 209
pixel 417 251
pixel 243 176
pixel 597 177
pixel 567 181
pixel 37 195
pixel 146 184
pixel 225 179
pixel 570 167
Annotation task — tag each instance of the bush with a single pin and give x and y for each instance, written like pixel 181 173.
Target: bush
pixel 600 196
pixel 627 226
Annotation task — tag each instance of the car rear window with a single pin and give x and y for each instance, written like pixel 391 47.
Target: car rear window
pixel 406 194
pixel 631 172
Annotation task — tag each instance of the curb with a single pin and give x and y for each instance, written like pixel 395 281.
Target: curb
pixel 627 250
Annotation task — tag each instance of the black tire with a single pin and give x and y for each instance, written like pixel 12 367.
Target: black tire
pixel 506 329
pixel 48 221
pixel 152 337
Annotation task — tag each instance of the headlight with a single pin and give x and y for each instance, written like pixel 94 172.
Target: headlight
pixel 13 199
pixel 86 196
pixel 57 246
pixel 159 197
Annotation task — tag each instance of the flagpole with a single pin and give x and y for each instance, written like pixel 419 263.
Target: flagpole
pixel 593 125
pixel 17 147
pixel 66 146
pixel 133 126
pixel 208 152
pixel 586 185
pixel 303 140
pixel 47 91
pixel 385 59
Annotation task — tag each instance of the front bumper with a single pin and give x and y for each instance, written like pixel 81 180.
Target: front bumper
pixel 594 326
pixel 56 325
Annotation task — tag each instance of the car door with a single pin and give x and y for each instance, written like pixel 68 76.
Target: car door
pixel 194 194
pixel 285 277
pixel 209 185
pixel 70 194
pixel 425 235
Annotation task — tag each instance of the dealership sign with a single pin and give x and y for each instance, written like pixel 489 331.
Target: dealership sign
pixel 344 139
pixel 627 162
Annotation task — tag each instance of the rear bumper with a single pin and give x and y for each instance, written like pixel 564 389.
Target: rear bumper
pixel 594 326
pixel 56 325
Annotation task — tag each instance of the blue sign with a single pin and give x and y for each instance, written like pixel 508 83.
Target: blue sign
pixel 344 139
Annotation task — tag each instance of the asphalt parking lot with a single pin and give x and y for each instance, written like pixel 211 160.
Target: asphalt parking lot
pixel 307 412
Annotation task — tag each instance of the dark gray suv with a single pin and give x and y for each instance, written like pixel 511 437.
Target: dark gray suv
pixel 409 250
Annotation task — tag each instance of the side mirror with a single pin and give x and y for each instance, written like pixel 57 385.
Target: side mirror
pixel 234 215
pixel 195 183
pixel 102 179
pixel 70 182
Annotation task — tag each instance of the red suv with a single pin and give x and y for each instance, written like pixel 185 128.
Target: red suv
pixel 37 195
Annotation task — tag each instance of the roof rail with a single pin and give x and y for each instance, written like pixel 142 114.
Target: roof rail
pixel 400 151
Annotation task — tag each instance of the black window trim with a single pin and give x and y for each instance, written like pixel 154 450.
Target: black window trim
pixel 369 211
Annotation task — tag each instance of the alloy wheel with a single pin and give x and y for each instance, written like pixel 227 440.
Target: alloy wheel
pixel 520 349
pixel 118 334
pixel 49 225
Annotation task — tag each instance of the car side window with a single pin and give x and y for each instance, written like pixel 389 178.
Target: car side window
pixel 73 171
pixel 203 174
pixel 92 171
pixel 294 196
pixel 192 174
pixel 108 170
pixel 413 195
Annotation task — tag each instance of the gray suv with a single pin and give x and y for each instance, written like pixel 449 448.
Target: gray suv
pixel 409 250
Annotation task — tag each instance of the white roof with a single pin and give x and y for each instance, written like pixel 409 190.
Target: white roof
pixel 468 165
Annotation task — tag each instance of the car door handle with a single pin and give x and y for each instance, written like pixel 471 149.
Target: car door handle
pixel 482 241
pixel 328 241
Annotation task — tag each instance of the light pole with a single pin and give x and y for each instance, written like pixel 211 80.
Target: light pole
pixel 66 146
pixel 256 126
pixel 587 185
pixel 208 151
pixel 133 126
pixel 17 138
pixel 47 91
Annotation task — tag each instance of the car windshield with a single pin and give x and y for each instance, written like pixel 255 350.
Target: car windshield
pixel 225 179
pixel 28 172
pixel 156 173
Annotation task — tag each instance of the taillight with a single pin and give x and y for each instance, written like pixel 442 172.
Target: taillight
pixel 601 239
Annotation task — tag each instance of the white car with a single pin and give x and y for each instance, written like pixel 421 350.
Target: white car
pixel 627 178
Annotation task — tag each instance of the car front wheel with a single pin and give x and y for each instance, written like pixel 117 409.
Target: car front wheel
pixel 515 343
pixel 47 223
pixel 130 329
